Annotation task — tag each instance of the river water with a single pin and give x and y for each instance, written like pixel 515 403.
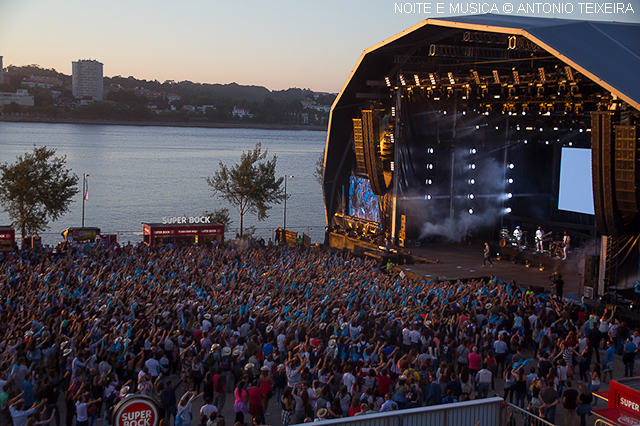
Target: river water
pixel 143 173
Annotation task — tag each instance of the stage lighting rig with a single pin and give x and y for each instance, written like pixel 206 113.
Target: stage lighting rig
pixel 542 75
pixel 516 76
pixel 475 76
pixel 496 77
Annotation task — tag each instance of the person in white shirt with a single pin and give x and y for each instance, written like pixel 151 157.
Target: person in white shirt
pixel 348 379
pixel 539 238
pixel 20 415
pixel 153 365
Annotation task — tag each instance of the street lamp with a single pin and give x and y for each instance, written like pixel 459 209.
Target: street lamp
pixel 85 194
pixel 284 225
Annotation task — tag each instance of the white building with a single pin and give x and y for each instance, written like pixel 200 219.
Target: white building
pixel 21 97
pixel 241 112
pixel 87 79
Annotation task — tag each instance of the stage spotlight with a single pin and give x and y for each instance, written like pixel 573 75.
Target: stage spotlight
pixel 476 77
pixel 430 166
pixel 526 142
pixel 542 75
pixel 392 138
pixel 509 195
pixel 472 151
pixel 508 210
pixel 451 79
pixel 471 196
pixel 496 77
pixel 430 150
pixel 417 79
pixel 570 143
pixel 429 181
pixel 472 181
pixel 404 83
pixel 393 111
pixel 432 78
pixel 427 197
pixel 510 180
pixel 546 142
pixel 393 165
pixel 472 166
pixel 569 73
pixel 516 77
pixel 387 80
pixel 471 211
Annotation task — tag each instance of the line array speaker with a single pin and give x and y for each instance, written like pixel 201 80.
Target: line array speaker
pixel 372 135
pixel 608 217
pixel 626 170
pixel 359 145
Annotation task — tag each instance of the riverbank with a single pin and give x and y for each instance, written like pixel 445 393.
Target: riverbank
pixel 161 123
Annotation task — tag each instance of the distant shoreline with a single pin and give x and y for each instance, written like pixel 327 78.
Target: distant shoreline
pixel 163 124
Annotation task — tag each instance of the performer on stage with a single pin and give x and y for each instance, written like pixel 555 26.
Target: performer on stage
pixel 517 235
pixel 539 238
pixel 487 255
pixel 566 242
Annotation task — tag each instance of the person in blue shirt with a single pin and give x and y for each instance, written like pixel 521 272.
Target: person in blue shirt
pixel 435 391
pixel 628 358
pixel 608 362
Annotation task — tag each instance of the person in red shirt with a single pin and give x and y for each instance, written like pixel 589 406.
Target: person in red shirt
pixel 384 381
pixel 255 401
pixel 355 406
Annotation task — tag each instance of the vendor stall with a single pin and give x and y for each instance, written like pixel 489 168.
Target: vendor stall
pixel 81 234
pixel 624 403
pixel 7 239
pixel 182 233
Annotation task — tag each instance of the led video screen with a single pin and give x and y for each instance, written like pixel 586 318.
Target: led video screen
pixel 363 203
pixel 576 190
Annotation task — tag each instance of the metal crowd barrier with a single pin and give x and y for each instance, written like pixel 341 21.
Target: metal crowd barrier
pixel 516 416
pixel 482 412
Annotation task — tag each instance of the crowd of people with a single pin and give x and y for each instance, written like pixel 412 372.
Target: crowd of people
pixel 322 335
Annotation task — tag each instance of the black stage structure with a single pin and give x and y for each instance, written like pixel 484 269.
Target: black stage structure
pixel 459 127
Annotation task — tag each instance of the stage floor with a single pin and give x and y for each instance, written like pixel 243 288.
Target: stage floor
pixel 465 261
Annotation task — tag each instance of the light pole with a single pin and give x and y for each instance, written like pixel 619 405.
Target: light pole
pixel 84 194
pixel 284 225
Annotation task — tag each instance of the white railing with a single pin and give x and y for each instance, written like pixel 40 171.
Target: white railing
pixel 487 411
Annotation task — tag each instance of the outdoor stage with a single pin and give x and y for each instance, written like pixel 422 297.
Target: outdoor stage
pixel 448 261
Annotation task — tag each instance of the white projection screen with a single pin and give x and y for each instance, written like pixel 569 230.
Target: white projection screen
pixel 576 190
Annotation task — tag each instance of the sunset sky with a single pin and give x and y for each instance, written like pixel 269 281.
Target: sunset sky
pixel 277 44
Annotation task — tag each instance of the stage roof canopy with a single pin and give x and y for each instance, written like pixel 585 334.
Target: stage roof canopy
pixel 606 52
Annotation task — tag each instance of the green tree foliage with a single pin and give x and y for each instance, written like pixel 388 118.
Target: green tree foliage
pixel 43 98
pixel 220 216
pixel 250 186
pixel 6 87
pixel 35 188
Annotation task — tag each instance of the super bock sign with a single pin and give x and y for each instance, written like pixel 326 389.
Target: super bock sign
pixel 138 410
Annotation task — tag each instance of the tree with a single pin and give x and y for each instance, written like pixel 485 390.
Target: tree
pixel 251 185
pixel 220 216
pixel 36 187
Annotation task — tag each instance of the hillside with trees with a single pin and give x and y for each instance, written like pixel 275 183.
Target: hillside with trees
pixel 131 99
